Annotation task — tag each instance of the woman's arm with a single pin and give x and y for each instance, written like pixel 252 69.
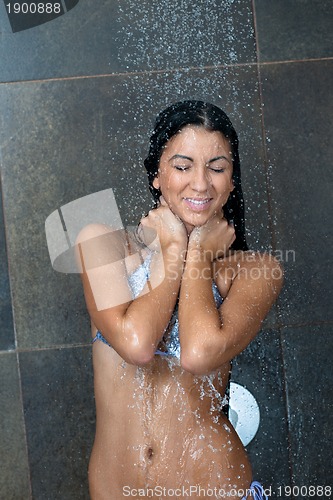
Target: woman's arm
pixel 210 337
pixel 133 327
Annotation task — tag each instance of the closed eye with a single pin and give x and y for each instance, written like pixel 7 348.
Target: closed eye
pixel 217 170
pixel 181 167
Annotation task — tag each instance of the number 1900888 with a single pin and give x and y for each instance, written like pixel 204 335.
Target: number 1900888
pixel 34 8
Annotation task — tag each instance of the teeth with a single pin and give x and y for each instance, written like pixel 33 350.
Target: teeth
pixel 197 202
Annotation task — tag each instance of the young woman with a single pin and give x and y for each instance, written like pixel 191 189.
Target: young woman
pixel 170 306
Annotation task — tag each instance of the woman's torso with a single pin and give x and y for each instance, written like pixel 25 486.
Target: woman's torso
pixel 159 426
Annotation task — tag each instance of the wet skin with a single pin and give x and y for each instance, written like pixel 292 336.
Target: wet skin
pixel 195 166
pixel 154 428
pixel 159 422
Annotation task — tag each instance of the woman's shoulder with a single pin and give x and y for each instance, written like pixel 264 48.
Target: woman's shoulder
pixel 97 244
pixel 94 230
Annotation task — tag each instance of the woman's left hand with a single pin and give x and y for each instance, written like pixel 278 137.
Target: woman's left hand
pixel 214 238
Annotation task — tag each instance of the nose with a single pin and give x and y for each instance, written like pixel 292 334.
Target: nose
pixel 200 179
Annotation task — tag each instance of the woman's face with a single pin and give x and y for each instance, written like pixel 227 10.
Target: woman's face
pixel 195 174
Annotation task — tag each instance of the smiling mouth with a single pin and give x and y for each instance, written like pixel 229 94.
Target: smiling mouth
pixel 197 203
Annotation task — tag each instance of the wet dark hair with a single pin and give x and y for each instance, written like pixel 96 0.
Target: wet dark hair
pixel 172 120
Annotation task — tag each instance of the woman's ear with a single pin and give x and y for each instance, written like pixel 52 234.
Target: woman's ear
pixel 232 185
pixel 156 183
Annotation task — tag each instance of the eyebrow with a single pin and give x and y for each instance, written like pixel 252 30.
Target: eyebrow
pixel 220 158
pixel 191 159
pixel 180 156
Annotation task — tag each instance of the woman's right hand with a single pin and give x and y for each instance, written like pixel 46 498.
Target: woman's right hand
pixel 167 226
pixel 213 238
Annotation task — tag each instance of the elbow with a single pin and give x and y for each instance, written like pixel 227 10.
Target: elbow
pixel 195 361
pixel 204 358
pixel 136 344
pixel 138 353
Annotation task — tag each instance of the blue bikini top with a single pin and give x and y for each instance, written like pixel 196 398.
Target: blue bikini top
pixel 169 345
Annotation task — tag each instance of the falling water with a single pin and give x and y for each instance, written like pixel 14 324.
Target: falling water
pixel 174 51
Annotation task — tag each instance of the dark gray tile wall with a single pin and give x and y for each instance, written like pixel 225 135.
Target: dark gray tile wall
pixel 110 37
pixel 301 29
pixel 308 360
pixel 260 369
pixel 14 476
pixel 78 98
pixel 300 155
pixel 7 336
pixel 59 421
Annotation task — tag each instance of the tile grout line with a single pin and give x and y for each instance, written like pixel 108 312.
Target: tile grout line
pixel 24 424
pixel 54 347
pixel 264 146
pixel 15 335
pixel 287 407
pixel 47 348
pixel 269 197
pixel 274 326
pixel 131 73
pixel 7 252
pixel 20 350
pixel 263 134
pixel 293 61
pixel 166 70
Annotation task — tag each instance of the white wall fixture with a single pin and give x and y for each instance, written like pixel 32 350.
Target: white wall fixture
pixel 244 413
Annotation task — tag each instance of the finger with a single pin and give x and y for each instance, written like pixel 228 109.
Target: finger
pixel 163 202
pixel 144 221
pixel 221 219
pixel 219 216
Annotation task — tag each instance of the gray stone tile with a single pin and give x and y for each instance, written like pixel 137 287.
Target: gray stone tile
pixel 66 139
pixel 300 29
pixel 298 117
pixel 260 369
pixel 112 36
pixel 14 474
pixel 7 340
pixel 308 355
pixel 60 419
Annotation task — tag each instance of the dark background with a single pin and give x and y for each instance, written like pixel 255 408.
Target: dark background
pixel 78 96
